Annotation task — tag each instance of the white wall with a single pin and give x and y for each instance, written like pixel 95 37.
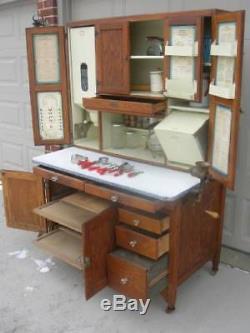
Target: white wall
pixel 237 219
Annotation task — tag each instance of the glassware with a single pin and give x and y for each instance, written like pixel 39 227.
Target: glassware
pixel 131 139
pixel 155 47
pixel 118 136
pixel 154 145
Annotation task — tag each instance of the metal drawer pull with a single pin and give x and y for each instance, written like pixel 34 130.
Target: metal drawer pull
pixel 114 198
pixel 54 179
pixel 213 214
pixel 136 222
pixel 124 281
pixel 133 243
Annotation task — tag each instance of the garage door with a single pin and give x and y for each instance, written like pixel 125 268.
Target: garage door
pixel 16 138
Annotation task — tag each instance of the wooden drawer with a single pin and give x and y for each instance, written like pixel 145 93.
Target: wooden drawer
pixel 153 223
pixel 125 105
pixel 60 178
pixel 130 200
pixel 133 275
pixel 144 243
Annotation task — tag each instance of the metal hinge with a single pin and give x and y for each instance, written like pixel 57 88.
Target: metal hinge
pixel 96 33
pixel 86 262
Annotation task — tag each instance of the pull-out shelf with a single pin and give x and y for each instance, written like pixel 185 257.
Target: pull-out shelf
pixel 125 105
pixel 73 211
pixel 63 244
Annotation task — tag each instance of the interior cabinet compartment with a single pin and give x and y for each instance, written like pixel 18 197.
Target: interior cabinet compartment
pixel 72 211
pixel 85 127
pixel 144 243
pixel 155 223
pixel 139 33
pixel 140 70
pixel 133 275
pixel 63 244
pixel 132 137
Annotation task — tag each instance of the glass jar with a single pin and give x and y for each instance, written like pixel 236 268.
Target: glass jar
pixel 155 46
pixel 117 136
pixel 132 139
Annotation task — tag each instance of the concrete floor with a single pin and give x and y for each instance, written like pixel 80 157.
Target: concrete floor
pixel 35 302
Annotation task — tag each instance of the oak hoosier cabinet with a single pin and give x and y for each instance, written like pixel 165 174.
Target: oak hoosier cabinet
pixel 150 105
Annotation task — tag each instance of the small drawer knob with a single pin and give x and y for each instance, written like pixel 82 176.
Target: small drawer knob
pixel 136 222
pixel 133 243
pixel 54 178
pixel 124 281
pixel 114 198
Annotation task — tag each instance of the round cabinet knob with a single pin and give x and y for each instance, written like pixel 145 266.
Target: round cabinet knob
pixel 136 222
pixel 114 198
pixel 133 243
pixel 124 281
pixel 54 179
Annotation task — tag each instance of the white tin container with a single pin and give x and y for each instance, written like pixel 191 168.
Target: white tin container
pixel 156 84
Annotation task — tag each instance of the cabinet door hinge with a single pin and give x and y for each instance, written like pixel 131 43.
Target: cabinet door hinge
pixel 86 262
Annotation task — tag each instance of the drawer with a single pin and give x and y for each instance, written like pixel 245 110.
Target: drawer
pixel 149 222
pixel 125 105
pixel 133 275
pixel 63 244
pixel 119 197
pixel 143 243
pixel 60 178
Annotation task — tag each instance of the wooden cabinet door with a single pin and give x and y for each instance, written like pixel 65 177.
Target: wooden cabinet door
pixel 98 240
pixel 225 110
pixel 23 191
pixel 48 80
pixel 183 35
pixel 112 52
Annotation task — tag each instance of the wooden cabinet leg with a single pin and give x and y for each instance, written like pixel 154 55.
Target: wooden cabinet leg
pixel 171 292
pixel 216 258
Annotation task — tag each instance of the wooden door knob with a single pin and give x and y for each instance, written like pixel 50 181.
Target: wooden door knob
pixel 114 198
pixel 136 222
pixel 133 243
pixel 124 281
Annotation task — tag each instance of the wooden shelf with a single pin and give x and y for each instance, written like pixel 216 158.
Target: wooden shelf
pixel 145 57
pixel 63 244
pixel 188 108
pixel 65 214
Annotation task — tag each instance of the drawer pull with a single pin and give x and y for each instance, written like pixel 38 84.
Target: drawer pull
pixel 124 281
pixel 133 243
pixel 114 198
pixel 54 178
pixel 136 222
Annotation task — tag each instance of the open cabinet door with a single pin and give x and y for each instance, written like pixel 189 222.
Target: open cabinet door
pixel 183 63
pixel 23 191
pixel 112 58
pixel 49 93
pixel 225 91
pixel 98 240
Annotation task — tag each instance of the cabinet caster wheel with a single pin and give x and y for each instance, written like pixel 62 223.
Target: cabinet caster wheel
pixel 170 309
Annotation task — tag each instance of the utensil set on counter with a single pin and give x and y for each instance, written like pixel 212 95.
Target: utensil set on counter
pixel 103 166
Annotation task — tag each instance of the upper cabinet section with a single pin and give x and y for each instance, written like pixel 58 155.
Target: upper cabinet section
pixel 112 48
pixel 184 57
pixel 48 85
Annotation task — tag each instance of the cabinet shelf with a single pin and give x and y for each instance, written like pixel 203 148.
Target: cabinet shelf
pixel 63 244
pixel 145 57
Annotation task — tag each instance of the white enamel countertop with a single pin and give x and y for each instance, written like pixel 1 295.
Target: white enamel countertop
pixel 156 182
